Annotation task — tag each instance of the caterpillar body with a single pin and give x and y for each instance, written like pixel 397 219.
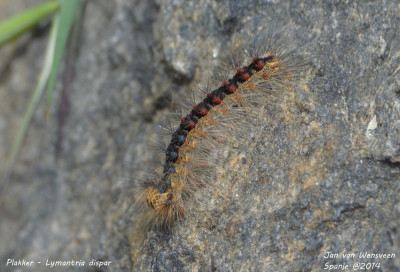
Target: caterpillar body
pixel 186 156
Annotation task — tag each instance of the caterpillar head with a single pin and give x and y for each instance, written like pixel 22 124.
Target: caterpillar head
pixel 167 206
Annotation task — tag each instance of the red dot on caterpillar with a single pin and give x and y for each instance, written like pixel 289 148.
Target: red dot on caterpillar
pixel 226 83
pixel 191 124
pixel 231 88
pixel 240 71
pixel 259 65
pixel 245 76
pixel 216 100
pixel 203 111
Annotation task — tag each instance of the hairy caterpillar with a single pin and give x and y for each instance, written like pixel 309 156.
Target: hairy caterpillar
pixel 271 68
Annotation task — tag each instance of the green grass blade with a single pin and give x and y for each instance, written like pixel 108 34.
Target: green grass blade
pixel 37 93
pixel 13 27
pixel 67 15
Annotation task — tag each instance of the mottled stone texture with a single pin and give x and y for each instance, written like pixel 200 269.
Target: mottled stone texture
pixel 318 172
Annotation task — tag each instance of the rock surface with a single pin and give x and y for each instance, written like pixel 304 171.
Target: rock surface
pixel 320 174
